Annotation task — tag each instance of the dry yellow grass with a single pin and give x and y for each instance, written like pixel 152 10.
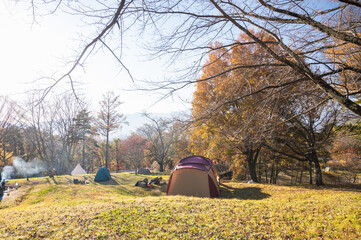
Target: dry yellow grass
pixel 57 209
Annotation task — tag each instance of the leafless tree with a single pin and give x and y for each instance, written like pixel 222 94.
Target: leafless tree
pixel 67 109
pixel 9 117
pixel 50 128
pixel 308 34
pixel 109 119
pixel 40 130
pixel 162 138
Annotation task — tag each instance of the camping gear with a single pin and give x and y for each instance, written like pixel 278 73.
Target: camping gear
pixel 142 183
pixel 78 170
pixel 103 174
pixel 6 189
pixel 194 176
pixel 77 181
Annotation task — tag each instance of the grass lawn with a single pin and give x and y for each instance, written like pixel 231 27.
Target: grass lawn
pixel 58 209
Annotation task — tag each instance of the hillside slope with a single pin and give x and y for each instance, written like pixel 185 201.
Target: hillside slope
pixel 58 209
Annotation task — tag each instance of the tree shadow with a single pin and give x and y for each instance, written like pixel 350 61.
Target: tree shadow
pixel 337 187
pixel 88 178
pixel 109 182
pixel 248 193
pixel 51 178
pixel 346 187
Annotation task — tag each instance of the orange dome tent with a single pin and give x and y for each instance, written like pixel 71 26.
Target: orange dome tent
pixel 194 176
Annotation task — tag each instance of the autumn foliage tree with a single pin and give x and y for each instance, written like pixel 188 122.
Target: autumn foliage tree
pixel 346 150
pixel 133 149
pixel 236 113
pixel 118 154
pixel 234 109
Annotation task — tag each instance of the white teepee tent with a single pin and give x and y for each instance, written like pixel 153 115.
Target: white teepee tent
pixel 78 170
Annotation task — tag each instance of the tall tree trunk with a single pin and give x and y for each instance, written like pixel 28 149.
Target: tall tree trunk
pixel 118 165
pixel 260 171
pixel 161 166
pixel 313 158
pixel 252 156
pixel 276 172
pixel 252 169
pixel 83 155
pixel 318 174
pixel 301 174
pixel 107 150
pixel 272 172
pixel 266 174
pixel 310 171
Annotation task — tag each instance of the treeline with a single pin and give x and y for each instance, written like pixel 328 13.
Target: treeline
pixel 250 112
pixel 61 132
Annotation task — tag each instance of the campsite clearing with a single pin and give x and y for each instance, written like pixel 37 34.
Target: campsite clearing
pixel 55 208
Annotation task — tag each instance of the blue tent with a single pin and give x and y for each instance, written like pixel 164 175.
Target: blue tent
pixel 102 175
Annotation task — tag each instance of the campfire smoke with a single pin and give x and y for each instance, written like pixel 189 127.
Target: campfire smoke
pixel 21 168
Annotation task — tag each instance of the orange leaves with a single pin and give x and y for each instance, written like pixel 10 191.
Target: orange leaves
pixel 346 57
pixel 345 53
pixel 224 107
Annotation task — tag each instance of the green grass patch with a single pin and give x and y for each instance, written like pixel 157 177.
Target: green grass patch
pixel 58 209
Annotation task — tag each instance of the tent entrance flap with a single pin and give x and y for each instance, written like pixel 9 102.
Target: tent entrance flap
pixel 189 182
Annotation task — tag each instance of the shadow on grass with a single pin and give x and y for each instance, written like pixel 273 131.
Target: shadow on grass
pixel 337 187
pixel 109 182
pixel 248 193
pixel 163 188
pixel 88 178
pixel 53 179
pixel 346 187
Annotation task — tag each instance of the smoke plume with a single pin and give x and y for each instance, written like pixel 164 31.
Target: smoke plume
pixel 21 168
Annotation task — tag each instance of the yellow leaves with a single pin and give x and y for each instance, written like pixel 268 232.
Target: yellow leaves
pixel 346 53
pixel 5 156
pixel 219 108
